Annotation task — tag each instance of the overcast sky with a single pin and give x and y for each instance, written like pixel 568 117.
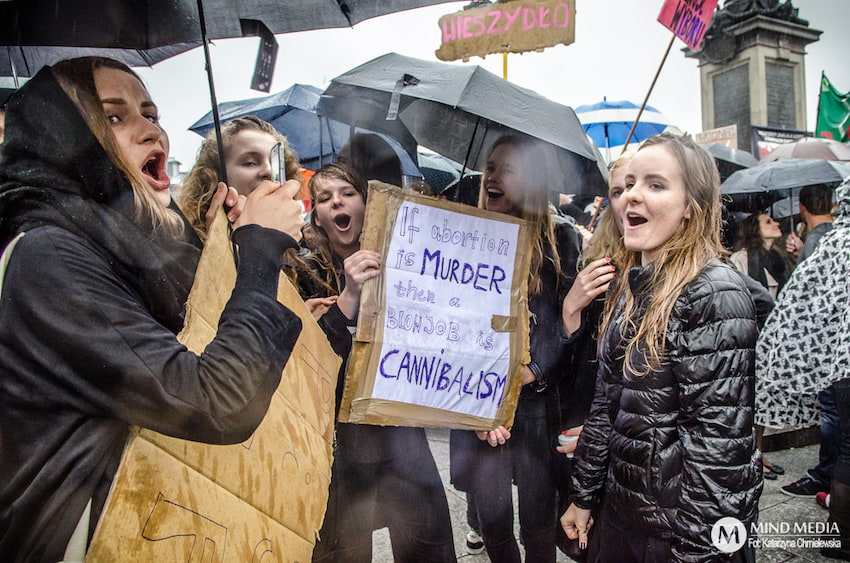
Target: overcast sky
pixel 618 47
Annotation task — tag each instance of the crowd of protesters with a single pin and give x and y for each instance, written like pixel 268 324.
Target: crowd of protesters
pixel 650 341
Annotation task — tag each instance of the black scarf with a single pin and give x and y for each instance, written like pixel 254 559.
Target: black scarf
pixel 54 172
pixel 760 259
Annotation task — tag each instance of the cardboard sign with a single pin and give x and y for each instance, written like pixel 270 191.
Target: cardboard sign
pixel 509 26
pixel 727 136
pixel 175 500
pixel 443 331
pixel 688 19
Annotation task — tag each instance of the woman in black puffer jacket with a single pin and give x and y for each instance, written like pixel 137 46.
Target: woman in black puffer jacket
pixel 669 449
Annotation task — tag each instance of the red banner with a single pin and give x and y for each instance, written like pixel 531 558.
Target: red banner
pixel 688 19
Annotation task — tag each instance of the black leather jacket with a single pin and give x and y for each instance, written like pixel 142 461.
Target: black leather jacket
pixel 674 450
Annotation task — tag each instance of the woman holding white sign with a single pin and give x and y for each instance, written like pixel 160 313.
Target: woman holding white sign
pixel 382 475
pixel 669 446
pixel 516 182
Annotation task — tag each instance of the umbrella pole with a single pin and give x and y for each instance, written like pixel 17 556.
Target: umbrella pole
pixel 222 172
pixel 321 142
pixel 469 150
pixel 646 99
pixel 14 70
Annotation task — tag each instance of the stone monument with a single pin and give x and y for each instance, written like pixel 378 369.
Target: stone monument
pixel 752 68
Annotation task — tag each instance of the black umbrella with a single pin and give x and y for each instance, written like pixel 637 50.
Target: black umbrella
pixel 730 160
pixel 785 175
pixel 760 187
pixel 458 111
pixel 17 61
pixel 149 26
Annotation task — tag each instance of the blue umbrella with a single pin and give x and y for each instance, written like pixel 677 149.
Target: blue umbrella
pixel 293 113
pixel 608 124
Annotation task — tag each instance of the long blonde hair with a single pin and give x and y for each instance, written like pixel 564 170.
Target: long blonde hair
pixel 76 77
pixel 201 182
pixel 538 169
pixel 679 261
pixel 606 236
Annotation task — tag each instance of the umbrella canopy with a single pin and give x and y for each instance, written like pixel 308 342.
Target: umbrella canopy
pixel 785 207
pixel 810 147
pixel 458 111
pixel 17 61
pixel 438 171
pixel 785 175
pixel 149 24
pixel 729 160
pixel 293 112
pixel 609 123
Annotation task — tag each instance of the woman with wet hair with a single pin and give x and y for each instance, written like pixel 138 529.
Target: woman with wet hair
pixel 669 446
pixel 382 475
pixel 517 177
pixel 98 265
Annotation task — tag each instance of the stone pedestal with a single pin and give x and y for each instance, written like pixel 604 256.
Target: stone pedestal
pixel 753 73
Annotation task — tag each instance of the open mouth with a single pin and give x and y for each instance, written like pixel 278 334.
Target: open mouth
pixel 635 220
pixel 154 171
pixel 342 221
pixel 494 193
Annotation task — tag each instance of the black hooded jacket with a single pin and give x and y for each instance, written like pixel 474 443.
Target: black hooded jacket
pixel 90 305
pixel 674 450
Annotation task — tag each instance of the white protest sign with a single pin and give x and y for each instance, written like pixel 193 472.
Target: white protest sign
pixel 447 274
pixel 443 331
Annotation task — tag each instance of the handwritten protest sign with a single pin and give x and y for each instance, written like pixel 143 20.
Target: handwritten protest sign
pixel 515 27
pixel 264 499
pixel 688 19
pixel 444 329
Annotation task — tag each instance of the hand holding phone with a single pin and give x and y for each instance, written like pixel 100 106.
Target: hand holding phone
pixel 277 163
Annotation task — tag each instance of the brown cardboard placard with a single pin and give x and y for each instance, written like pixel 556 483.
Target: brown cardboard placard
pixel 175 500
pixel 515 26
pixel 388 208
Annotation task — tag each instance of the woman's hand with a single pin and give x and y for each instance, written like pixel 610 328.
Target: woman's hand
pixel 570 448
pixel 496 437
pixel 576 523
pixel 225 196
pixel 590 284
pixel 793 244
pixel 360 267
pixel 318 306
pixel 272 205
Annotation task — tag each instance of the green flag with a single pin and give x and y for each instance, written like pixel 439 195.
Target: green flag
pixel 833 112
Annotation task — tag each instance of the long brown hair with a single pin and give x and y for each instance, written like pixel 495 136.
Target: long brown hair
pixel 76 77
pixel 320 244
pixel 201 182
pixel 606 236
pixel 680 259
pixel 539 171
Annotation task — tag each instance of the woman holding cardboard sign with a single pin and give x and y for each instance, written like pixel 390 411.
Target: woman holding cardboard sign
pixel 669 447
pixel 98 266
pixel 516 182
pixel 382 475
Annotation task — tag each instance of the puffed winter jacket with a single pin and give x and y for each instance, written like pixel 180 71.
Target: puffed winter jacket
pixel 674 450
